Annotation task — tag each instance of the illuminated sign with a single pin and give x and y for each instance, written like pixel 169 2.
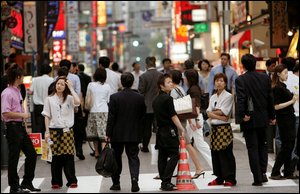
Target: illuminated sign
pixel 200 28
pixel 199 15
pixel 60 34
pixel 30 36
pixel 101 12
pixel 181 31
pixel 57 51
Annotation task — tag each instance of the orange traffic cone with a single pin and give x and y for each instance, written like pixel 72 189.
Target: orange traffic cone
pixel 184 179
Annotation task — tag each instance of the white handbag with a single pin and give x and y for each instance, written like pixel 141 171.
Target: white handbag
pixel 183 104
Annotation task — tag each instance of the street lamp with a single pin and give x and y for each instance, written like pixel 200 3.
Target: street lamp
pixel 159 45
pixel 135 43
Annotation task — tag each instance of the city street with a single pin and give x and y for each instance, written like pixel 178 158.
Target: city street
pixel 90 182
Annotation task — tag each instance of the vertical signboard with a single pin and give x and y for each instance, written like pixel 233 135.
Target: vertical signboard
pixel 72 27
pixel 180 30
pixel 279 24
pixel 101 12
pixel 30 35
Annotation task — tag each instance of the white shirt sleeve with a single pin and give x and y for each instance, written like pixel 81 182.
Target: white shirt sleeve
pixel 46 111
pixel 226 105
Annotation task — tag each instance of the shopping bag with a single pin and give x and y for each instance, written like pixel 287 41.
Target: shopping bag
pixel 106 163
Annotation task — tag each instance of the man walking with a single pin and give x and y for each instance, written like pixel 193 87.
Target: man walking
pixel 124 129
pixel 148 87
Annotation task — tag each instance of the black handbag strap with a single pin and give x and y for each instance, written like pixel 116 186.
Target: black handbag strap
pixel 179 92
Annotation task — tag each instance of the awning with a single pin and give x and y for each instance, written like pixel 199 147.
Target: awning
pixel 236 41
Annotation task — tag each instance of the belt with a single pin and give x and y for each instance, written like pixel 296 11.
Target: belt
pixel 15 123
pixel 224 124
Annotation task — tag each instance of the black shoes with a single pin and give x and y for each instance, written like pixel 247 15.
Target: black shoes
pixel 168 187
pixel 18 190
pixel 116 187
pixel 80 156
pixel 30 187
pixel 278 177
pixel 265 179
pixel 257 184
pixel 144 149
pixel 134 186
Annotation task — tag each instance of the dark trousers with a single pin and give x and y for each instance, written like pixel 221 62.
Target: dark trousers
pixel 79 130
pixel 256 142
pixel 287 132
pixel 271 129
pixel 132 151
pixel 224 166
pixel 39 120
pixel 167 161
pixel 148 129
pixel 60 163
pixel 18 140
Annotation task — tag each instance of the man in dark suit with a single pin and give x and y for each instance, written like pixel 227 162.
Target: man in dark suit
pixel 256 86
pixel 124 129
pixel 148 87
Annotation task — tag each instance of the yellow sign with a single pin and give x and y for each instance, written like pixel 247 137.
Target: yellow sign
pixel 101 13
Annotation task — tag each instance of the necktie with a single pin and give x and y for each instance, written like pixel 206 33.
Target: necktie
pixel 269 74
pixel 224 70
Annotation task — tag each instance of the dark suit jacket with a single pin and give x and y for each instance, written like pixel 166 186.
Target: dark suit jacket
pixel 84 81
pixel 148 87
pixel 258 86
pixel 126 116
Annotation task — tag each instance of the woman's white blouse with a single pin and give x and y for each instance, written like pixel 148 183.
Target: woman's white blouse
pixel 223 102
pixel 61 115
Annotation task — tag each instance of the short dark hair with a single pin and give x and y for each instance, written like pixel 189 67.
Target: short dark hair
pixel 45 69
pixel 189 64
pixel 74 64
pixel 115 66
pixel 249 62
pixel 226 54
pixel 221 75
pixel 296 68
pixel 127 79
pixel 162 78
pixel 176 76
pixel 134 63
pixel 81 67
pixel 150 61
pixel 165 60
pixel 63 71
pixel 269 62
pixel 12 57
pixel 100 75
pixel 104 61
pixel 289 62
pixel 200 63
pixel 65 63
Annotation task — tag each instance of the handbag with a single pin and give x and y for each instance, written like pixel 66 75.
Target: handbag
pixel 106 164
pixel 185 106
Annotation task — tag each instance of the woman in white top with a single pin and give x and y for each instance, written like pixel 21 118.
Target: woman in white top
pixel 97 98
pixel 59 118
pixel 178 92
pixel 221 137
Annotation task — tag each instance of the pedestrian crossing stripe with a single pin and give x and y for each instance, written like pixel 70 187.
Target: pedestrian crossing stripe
pixel 92 184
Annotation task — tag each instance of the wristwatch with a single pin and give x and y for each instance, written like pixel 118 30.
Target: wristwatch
pixel 197 119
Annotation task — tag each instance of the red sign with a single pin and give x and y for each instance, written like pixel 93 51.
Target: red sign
pixel 60 24
pixel 18 29
pixel 57 51
pixel 180 30
pixel 36 139
pixel 186 12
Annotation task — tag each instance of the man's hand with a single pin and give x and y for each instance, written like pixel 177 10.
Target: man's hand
pixel 246 118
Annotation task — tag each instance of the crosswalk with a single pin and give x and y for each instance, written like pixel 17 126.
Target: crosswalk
pixel 94 184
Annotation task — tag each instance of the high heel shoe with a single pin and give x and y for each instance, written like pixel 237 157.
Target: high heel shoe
pixel 197 175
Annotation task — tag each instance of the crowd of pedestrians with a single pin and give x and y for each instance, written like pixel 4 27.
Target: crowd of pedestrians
pixel 124 108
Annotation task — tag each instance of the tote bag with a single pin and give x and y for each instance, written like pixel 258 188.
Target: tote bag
pixel 185 106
